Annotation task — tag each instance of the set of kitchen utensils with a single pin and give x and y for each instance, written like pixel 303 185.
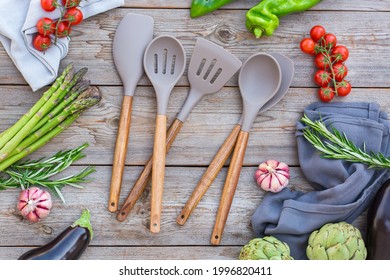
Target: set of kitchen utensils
pixel 264 79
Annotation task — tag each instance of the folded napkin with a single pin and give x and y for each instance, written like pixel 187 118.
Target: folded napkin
pixel 17 28
pixel 343 190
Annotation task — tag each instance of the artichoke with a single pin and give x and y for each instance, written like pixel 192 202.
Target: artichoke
pixel 266 248
pixel 336 241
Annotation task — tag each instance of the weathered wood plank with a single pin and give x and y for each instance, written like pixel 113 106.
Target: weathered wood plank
pixel 134 231
pixel 91 44
pixel 378 5
pixel 143 253
pixel 272 136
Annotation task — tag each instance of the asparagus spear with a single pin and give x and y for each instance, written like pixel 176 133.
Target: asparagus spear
pixel 88 98
pixel 91 100
pixel 10 132
pixel 69 81
pixel 75 91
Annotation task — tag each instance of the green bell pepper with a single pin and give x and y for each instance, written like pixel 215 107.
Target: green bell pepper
pixel 264 17
pixel 202 7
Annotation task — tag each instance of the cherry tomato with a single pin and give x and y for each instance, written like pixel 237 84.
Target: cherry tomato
pixel 41 43
pixel 70 3
pixel 317 32
pixel 308 46
pixel 329 40
pixel 49 5
pixel 340 53
pixel 74 16
pixel 343 88
pixel 340 71
pixel 322 78
pixel 321 61
pixel 326 94
pixel 45 26
pixel 63 29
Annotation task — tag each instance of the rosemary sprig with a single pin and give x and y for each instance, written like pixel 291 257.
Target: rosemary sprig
pixel 337 145
pixel 39 172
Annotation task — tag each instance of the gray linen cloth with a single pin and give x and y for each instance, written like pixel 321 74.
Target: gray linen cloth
pixel 343 190
pixel 17 28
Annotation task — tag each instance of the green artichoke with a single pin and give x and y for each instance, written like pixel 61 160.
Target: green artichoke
pixel 266 248
pixel 336 241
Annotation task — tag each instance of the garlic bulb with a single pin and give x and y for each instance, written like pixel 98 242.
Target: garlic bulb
pixel 272 175
pixel 34 204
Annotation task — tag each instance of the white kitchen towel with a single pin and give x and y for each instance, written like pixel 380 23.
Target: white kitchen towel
pixel 18 19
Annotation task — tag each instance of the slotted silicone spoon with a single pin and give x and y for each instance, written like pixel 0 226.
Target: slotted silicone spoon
pixel 132 36
pixel 164 63
pixel 220 65
pixel 259 80
pixel 287 68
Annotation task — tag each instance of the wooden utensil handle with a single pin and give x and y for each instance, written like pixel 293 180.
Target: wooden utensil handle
pixel 208 177
pixel 158 173
pixel 230 187
pixel 120 153
pixel 146 175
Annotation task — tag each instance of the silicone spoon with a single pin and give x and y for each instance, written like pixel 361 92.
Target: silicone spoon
pixel 164 63
pixel 132 36
pixel 259 80
pixel 211 67
pixel 287 68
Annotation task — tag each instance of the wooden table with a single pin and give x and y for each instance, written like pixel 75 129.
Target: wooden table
pixel 363 26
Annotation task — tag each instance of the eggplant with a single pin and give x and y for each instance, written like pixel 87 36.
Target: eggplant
pixel 378 225
pixel 68 245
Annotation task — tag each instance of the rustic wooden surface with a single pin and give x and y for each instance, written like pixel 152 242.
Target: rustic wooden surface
pixel 361 25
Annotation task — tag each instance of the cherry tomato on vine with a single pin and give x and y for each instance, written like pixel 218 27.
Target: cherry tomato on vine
pixel 70 3
pixel 63 29
pixel 308 46
pixel 41 43
pixel 329 39
pixel 317 32
pixel 340 71
pixel 343 88
pixel 322 78
pixel 326 94
pixel 49 5
pixel 340 53
pixel 74 16
pixel 321 61
pixel 45 26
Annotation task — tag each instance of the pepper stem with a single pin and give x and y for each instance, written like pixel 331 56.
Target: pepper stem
pixel 258 32
pixel 84 221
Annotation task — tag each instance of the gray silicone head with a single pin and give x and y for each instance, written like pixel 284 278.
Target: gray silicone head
pixel 132 36
pixel 164 64
pixel 259 80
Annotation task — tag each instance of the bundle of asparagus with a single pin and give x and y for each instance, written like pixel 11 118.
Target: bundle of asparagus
pixel 56 110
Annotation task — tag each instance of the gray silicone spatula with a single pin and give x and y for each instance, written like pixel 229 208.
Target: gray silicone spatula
pixel 220 65
pixel 132 36
pixel 259 80
pixel 164 62
pixel 226 149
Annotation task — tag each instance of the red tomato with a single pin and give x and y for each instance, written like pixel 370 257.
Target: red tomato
pixel 45 26
pixel 326 94
pixel 41 43
pixel 308 46
pixel 329 39
pixel 63 29
pixel 49 5
pixel 321 61
pixel 340 53
pixel 343 88
pixel 322 78
pixel 317 32
pixel 70 3
pixel 340 71
pixel 74 16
